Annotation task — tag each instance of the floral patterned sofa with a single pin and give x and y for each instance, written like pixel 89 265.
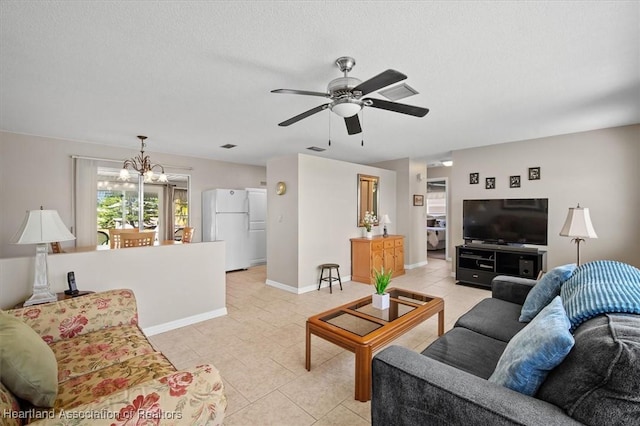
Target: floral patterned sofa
pixel 108 372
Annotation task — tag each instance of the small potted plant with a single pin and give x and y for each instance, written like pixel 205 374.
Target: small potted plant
pixel 368 221
pixel 382 278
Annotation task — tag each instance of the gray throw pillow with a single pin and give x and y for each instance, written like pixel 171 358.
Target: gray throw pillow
pixel 597 383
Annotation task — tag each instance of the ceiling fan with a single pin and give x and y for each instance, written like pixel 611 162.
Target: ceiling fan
pixel 346 94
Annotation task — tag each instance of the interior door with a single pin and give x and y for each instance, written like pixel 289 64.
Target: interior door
pixel 257 226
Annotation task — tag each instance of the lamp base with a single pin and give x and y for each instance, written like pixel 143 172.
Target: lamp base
pixel 578 241
pixel 41 290
pixel 41 297
pixel 385 234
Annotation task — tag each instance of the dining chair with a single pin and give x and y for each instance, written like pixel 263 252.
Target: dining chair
pixel 103 238
pixel 187 234
pixel 136 239
pixel 114 236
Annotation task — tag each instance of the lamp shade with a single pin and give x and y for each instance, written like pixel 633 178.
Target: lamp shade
pixel 385 219
pixel 578 224
pixel 42 226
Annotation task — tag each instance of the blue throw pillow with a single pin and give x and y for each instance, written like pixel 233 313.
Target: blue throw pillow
pixel 535 350
pixel 545 290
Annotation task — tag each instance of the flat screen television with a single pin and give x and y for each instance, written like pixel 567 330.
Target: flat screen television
pixel 506 221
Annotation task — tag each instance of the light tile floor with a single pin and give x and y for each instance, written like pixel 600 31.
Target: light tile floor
pixel 259 347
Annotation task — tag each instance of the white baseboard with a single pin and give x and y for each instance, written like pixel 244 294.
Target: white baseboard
pixel 306 289
pixel 281 286
pixel 183 322
pixel 415 265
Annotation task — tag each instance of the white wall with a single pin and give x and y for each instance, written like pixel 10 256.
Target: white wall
pixel 36 171
pixel 322 195
pixel 598 169
pixel 411 220
pixel 282 223
pixel 439 172
pixel 175 285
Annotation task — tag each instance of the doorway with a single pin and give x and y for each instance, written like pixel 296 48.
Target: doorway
pixel 437 218
pixel 165 205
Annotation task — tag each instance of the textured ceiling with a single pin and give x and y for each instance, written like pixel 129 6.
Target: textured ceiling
pixel 196 75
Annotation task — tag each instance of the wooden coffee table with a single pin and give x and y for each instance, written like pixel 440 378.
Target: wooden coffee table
pixel 361 328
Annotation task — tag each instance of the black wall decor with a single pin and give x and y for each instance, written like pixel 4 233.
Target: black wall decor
pixel 514 181
pixel 474 178
pixel 490 183
pixel 534 173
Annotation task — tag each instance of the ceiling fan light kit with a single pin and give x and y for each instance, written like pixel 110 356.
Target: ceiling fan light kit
pixel 346 107
pixel 346 94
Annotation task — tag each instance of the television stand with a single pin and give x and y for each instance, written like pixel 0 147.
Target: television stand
pixel 478 264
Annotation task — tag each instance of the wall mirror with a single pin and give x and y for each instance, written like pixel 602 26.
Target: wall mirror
pixel 368 196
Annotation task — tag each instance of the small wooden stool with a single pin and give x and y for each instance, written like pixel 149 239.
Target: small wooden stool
pixel 330 278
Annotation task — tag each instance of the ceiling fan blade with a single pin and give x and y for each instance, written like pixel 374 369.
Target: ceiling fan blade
pixel 301 92
pixel 379 81
pixel 396 107
pixel 303 115
pixel 353 124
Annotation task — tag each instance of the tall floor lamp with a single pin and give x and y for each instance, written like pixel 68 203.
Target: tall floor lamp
pixel 578 226
pixel 41 227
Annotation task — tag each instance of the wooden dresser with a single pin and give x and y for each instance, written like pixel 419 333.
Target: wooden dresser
pixel 369 254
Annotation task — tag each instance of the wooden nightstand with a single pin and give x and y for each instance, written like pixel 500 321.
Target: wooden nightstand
pixel 61 296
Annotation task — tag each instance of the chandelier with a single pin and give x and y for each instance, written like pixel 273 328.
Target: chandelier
pixel 143 165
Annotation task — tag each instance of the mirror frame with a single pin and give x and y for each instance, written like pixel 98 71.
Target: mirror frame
pixel 373 195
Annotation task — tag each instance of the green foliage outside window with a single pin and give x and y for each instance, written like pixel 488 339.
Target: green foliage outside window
pixel 113 205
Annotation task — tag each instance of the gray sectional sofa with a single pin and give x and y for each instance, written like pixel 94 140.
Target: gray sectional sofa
pixel 597 383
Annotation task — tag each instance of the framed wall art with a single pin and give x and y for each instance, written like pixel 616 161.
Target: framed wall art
pixel 418 200
pixel 490 183
pixel 534 173
pixel 514 181
pixel 474 178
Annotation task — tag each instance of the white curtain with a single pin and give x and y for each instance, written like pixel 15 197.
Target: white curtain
pixel 85 200
pixel 166 213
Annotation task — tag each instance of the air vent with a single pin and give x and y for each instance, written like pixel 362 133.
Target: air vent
pixel 316 149
pixel 398 92
pixel 228 146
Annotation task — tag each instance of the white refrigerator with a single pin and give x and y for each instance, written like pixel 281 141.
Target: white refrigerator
pixel 225 217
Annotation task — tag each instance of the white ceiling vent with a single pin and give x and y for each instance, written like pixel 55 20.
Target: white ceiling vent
pixel 398 92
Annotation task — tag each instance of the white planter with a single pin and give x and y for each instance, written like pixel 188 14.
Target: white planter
pixel 369 235
pixel 380 301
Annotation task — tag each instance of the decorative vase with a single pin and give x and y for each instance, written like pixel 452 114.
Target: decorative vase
pixel 380 301
pixel 369 234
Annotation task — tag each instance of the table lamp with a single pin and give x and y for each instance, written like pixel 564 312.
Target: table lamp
pixel 385 220
pixel 578 226
pixel 41 227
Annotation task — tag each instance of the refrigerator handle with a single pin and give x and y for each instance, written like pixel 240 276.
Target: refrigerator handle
pixel 248 222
